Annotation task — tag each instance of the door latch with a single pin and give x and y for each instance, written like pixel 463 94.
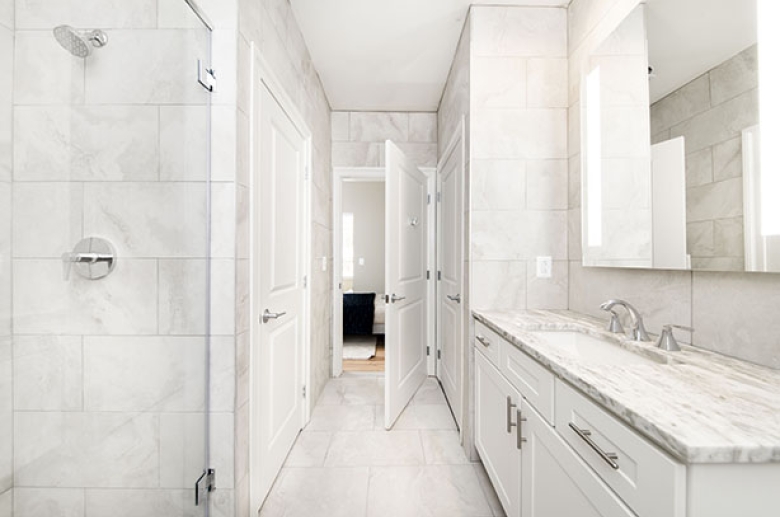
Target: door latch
pixel 205 483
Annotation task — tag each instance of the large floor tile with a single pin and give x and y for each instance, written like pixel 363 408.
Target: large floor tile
pixel 425 416
pixel 489 491
pixel 430 491
pixel 442 447
pixel 348 449
pixel 309 450
pixel 429 393
pixel 332 492
pixel 342 418
pixel 353 391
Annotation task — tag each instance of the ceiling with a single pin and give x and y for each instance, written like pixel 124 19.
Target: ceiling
pixel 384 55
pixel 689 38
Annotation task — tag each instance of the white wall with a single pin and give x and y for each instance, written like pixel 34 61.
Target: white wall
pixel 366 201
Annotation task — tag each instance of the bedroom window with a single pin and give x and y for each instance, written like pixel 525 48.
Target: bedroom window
pixel 348 247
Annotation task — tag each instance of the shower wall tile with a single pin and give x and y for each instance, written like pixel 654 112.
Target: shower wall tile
pixel 173 370
pixel 499 82
pixel 45 502
pixel 6 422
pixel 104 14
pixel 54 210
pixel 124 302
pixel 6 503
pixel 519 134
pixel 181 295
pixel 508 31
pixel 47 373
pixel 104 449
pixel 149 67
pixel 5 259
pixel 7 14
pixel 44 73
pixel 184 139
pixel 547 80
pixel 148 219
pixel 6 102
pixel 149 503
pixel 86 143
pixel 182 436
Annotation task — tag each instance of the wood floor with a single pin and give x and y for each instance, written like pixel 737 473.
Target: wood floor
pixel 375 364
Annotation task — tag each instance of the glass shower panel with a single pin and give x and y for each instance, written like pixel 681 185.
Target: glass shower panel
pixel 104 259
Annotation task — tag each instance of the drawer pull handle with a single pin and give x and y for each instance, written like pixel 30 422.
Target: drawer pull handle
pixel 520 420
pixel 482 339
pixel 509 408
pixel 610 457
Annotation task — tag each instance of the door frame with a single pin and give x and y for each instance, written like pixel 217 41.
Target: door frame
pixel 340 174
pixel 261 72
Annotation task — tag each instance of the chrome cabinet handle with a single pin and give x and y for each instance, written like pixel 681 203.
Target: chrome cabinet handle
pixel 267 315
pixel 395 298
pixel 482 339
pixel 509 408
pixel 455 298
pixel 610 457
pixel 520 420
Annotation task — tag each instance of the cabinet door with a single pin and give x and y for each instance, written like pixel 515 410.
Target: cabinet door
pixel 496 410
pixel 556 482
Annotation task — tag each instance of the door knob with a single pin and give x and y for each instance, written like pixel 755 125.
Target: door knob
pixel 267 315
pixel 395 298
pixel 455 298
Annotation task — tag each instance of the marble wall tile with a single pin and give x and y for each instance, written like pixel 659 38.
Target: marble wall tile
pixel 498 284
pixel 224 127
pixel 547 185
pixel 178 15
pixel 727 318
pixel 353 154
pixel 722 122
pixel 44 73
pixel 378 127
pixel 157 77
pixel 499 82
pixel 182 436
pixel 148 219
pixel 107 14
pixel 122 303
pixel 735 76
pixel 729 238
pixel 549 293
pixel 714 201
pixel 497 236
pixel 104 449
pixel 519 134
pixel 228 219
pixel 339 126
pixel 727 159
pixel 44 502
pixel 701 239
pixel 424 155
pixel 182 302
pixel 623 79
pixel 184 139
pixel 626 132
pixel 6 415
pixel 514 31
pixel 5 259
pixel 6 102
pixel 422 127
pixel 698 168
pixel 149 503
pixel 47 373
pixel 173 370
pixel 7 14
pixel 86 143
pixel 222 373
pixel 498 184
pixel 46 218
pixel 629 183
pixel 6 503
pixel 575 180
pixel 221 448
pixel 682 104
pixel 547 83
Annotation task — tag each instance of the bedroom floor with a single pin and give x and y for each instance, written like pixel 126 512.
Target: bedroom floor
pixel 374 364
pixel 345 464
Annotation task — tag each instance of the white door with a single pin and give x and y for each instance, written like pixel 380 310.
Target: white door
pixel 405 281
pixel 450 292
pixel 277 291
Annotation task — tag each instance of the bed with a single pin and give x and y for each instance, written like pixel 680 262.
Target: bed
pixel 364 314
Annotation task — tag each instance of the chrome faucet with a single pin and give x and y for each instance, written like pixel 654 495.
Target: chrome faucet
pixel 637 332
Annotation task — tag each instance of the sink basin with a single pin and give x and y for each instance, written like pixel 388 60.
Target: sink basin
pixel 589 349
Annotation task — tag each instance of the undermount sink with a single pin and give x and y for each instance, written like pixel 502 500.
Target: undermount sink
pixel 589 349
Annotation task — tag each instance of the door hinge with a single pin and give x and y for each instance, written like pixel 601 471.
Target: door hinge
pixel 429 199
pixel 305 282
pixel 307 172
pixel 438 275
pixel 438 354
pixel 206 77
pixel 205 484
pixel 428 274
pixel 438 197
pixel 427 350
pixel 304 391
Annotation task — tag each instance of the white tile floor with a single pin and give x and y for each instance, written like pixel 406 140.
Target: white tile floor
pixel 345 464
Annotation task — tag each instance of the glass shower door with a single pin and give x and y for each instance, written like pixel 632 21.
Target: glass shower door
pixel 104 259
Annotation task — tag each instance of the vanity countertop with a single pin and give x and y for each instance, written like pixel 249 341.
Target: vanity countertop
pixel 700 407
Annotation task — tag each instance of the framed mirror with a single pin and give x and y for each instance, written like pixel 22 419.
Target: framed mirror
pixel 674 112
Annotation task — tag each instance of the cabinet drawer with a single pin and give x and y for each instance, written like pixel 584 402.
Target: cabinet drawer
pixel 534 382
pixel 645 478
pixel 487 341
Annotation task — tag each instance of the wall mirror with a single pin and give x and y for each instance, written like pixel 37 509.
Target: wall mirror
pixel 674 112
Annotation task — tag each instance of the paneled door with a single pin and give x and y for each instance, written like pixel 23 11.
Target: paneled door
pixel 406 200
pixel 278 291
pixel 450 303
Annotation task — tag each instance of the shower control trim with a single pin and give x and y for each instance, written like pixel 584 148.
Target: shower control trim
pixel 93 258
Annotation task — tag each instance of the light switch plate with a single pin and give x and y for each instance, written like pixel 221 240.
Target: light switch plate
pixel 543 267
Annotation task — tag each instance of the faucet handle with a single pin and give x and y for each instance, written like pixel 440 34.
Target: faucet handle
pixel 667 341
pixel 614 325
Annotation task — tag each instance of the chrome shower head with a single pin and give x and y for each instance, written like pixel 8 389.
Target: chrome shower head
pixel 77 42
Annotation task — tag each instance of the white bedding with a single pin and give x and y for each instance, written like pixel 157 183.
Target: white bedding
pixel 379 315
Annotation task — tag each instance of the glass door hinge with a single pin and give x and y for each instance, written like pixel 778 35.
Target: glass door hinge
pixel 427 350
pixel 438 354
pixel 206 483
pixel 206 77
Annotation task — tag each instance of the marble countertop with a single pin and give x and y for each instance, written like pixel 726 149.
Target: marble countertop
pixel 698 406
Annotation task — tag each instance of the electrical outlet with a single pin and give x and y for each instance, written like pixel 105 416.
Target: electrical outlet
pixel 543 267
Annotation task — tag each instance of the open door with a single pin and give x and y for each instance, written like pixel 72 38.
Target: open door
pixel 449 303
pixel 405 281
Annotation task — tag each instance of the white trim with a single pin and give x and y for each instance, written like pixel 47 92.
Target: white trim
pixel 259 69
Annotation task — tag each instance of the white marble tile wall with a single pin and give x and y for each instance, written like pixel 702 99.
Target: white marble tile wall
pixel 518 149
pixel 719 305
pixel 710 112
pixel 359 137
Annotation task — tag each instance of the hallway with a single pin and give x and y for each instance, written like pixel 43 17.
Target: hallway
pixel 345 464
